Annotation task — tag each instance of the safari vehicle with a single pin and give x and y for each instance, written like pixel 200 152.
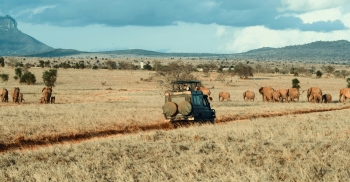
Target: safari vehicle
pixel 186 103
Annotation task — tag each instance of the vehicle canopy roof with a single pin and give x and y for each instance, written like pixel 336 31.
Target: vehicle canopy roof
pixel 190 84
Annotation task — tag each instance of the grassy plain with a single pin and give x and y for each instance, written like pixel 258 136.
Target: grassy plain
pixel 304 147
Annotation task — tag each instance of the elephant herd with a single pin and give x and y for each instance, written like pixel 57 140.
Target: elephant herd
pixel 314 94
pixel 17 96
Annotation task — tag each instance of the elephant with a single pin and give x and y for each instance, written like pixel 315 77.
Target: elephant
pixel 315 97
pixel 4 95
pixel 312 90
pixel 223 96
pixel 15 94
pixel 248 96
pixel 20 97
pixel 46 93
pixel 276 95
pixel 206 92
pixel 53 99
pixel 266 93
pixel 284 94
pixel 345 92
pixel 327 98
pixel 293 93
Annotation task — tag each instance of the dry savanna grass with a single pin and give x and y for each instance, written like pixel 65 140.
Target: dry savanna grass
pixel 303 147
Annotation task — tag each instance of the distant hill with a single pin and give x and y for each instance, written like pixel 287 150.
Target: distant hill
pixel 316 51
pixel 14 42
pixel 320 51
pixel 57 53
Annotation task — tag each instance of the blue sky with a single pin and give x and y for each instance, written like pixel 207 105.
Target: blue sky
pixel 201 26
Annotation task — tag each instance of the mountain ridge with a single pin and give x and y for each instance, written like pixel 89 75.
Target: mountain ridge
pixel 14 42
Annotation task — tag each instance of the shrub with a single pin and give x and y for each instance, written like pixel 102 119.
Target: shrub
pixel 28 78
pixel 111 64
pixel 94 67
pixel 41 63
pixel 147 67
pixel 319 74
pixel 12 62
pixel 18 72
pixel 348 80
pixel 243 71
pixel 50 77
pixel 15 77
pixel 295 83
pixel 2 62
pixel 4 77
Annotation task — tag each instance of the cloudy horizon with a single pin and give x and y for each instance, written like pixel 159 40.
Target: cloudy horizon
pixel 195 26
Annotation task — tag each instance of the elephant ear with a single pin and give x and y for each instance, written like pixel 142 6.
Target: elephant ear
pixel 260 90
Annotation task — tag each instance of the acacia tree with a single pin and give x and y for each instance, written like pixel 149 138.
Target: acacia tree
pixel 243 71
pixel 328 69
pixel 50 77
pixel 111 64
pixel 344 73
pixel 175 71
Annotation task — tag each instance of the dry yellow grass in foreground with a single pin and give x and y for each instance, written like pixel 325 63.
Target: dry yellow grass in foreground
pixel 312 147
pixel 302 147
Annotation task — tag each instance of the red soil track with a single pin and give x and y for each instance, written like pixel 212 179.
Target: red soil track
pixel 45 141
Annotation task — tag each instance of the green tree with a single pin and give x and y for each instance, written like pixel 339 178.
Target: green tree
pixel 295 83
pixel 50 77
pixel 348 81
pixel 319 74
pixel 28 78
pixel 18 72
pixel 42 63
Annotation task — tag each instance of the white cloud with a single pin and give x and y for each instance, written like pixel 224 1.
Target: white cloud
pixel 256 37
pixel 307 5
pixel 321 15
pixel 41 9
pixel 221 31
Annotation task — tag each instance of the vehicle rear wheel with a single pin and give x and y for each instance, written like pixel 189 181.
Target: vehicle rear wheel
pixel 169 108
pixel 185 108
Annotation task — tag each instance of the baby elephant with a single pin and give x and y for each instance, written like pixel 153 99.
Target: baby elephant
pixel 248 96
pixel 20 97
pixel 327 98
pixel 316 97
pixel 223 96
pixel 53 99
